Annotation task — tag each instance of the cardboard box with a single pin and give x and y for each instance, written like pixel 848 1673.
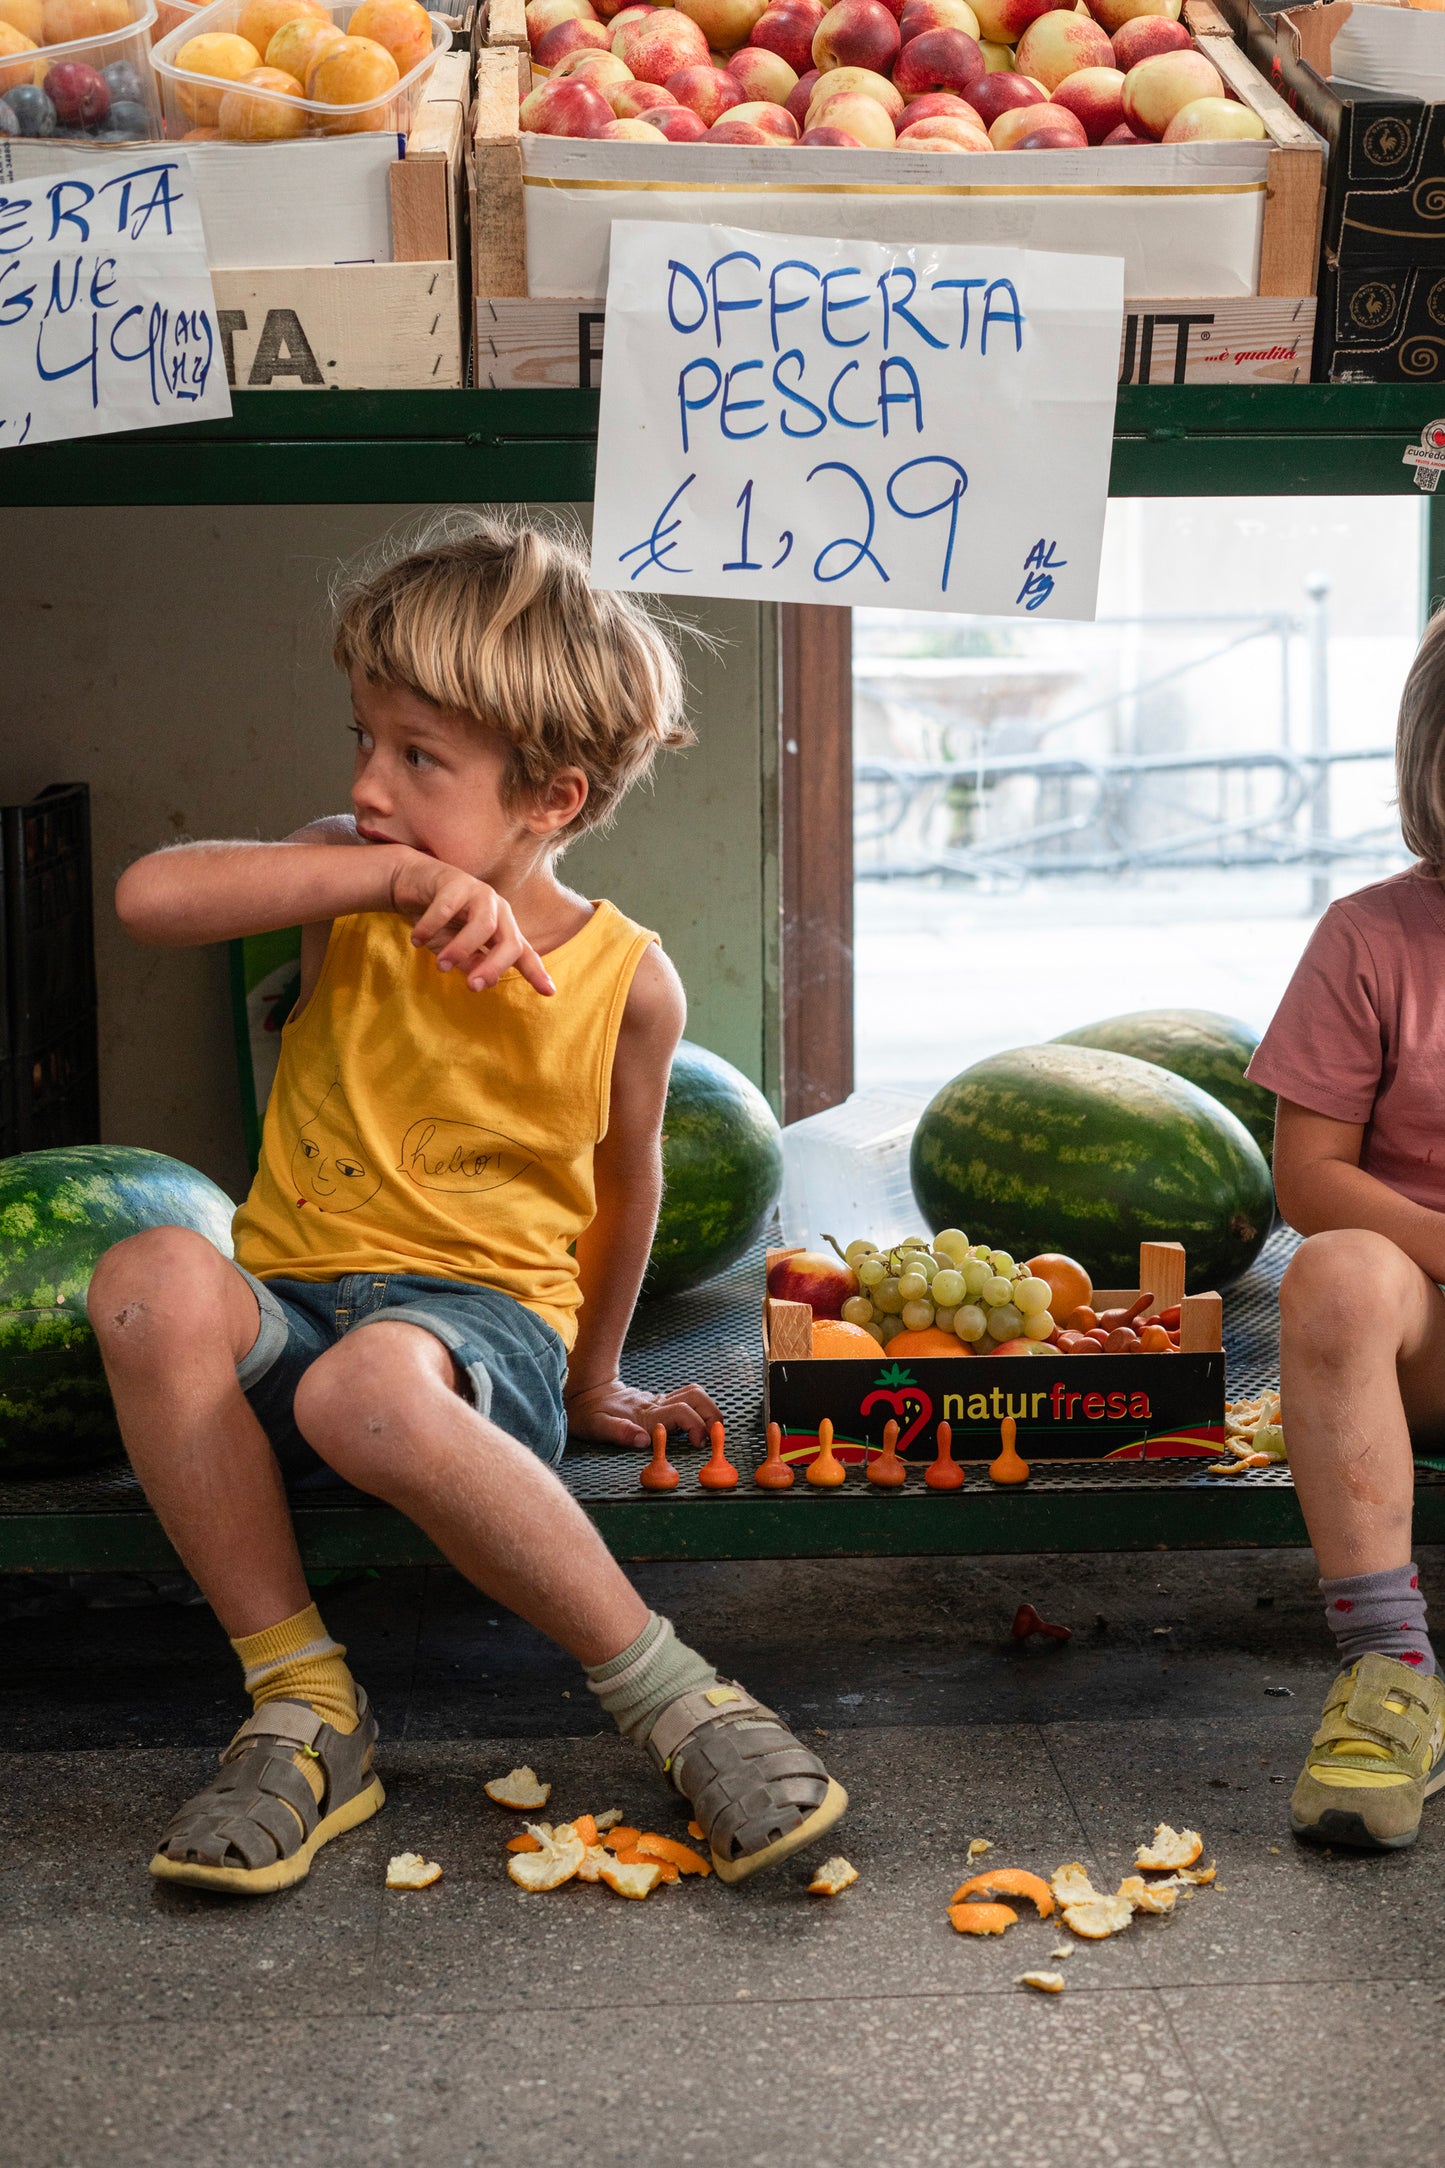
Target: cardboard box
pixel 1065 1407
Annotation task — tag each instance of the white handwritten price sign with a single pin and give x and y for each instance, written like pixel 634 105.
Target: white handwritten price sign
pixel 107 319
pixel 805 420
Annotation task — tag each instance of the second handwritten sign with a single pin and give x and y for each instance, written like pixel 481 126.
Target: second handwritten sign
pixel 805 420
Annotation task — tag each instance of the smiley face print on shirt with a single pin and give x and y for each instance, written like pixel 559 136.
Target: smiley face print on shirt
pixel 328 1165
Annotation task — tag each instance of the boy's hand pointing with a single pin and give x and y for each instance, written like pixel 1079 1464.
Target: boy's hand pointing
pixel 467 925
pixel 618 1414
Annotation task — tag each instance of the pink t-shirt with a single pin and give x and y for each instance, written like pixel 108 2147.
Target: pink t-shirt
pixel 1360 1033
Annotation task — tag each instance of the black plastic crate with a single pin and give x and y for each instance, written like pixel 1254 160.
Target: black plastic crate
pixel 49 1059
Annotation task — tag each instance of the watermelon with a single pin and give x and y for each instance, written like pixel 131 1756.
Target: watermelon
pixel 1212 1051
pixel 59 1211
pixel 722 1170
pixel 1071 1148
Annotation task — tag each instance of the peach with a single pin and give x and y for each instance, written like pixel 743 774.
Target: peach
pixel 742 132
pixel 1113 14
pixel 1000 92
pixel 599 69
pixel 943 128
pixel 774 120
pixel 1005 21
pixel 571 37
pixel 26 16
pixel 24 71
pixel 299 44
pixel 657 47
pixel 542 14
pixel 1094 96
pixel 629 131
pixel 856 34
pixel 62 20
pixel 1158 88
pixel 921 15
pixel 825 1283
pixel 726 24
pixel 259 20
pixel 709 92
pixel 675 123
pixel 1144 35
pixel 801 96
pixel 568 108
pixel 786 28
pixel 402 26
pixel 245 118
pixel 1121 135
pixel 630 100
pixel 857 115
pixel 941 105
pixel 828 139
pixel 763 74
pixel 214 52
pixel 1009 130
pixel 352 73
pixel 839 80
pixel 938 60
pixel 1057 44
pixel 1214 120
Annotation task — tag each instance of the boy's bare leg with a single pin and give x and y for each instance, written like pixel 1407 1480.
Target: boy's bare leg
pixel 173 1319
pixel 382 1408
pixel 1362 1356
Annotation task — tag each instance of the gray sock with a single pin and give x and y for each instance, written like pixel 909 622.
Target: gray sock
pixel 1380 1614
pixel 635 1687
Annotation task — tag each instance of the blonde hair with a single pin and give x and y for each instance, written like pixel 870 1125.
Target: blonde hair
pixel 493 616
pixel 1420 748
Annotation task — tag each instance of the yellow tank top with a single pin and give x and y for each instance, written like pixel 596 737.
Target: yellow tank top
pixel 418 1127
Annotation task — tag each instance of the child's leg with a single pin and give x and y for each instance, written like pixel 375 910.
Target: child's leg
pixel 1362 1359
pixel 382 1407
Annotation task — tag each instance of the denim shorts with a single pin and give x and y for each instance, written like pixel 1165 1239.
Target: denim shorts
pixel 512 1364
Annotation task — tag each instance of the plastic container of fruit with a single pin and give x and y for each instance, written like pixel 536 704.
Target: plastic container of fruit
pixel 201 107
pixel 85 78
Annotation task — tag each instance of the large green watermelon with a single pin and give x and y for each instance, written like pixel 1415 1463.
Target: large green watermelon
pixel 722 1169
pixel 1212 1051
pixel 1069 1148
pixel 58 1212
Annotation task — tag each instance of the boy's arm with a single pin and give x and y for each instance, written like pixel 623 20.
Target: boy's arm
pixel 612 1253
pixel 1320 1184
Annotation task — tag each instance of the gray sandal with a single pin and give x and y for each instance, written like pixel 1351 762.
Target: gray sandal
pixel 756 1790
pixel 258 1825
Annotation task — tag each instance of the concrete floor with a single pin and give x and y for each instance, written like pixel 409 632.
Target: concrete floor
pixel 472 2024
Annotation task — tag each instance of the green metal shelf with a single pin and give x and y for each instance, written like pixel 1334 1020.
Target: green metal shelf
pixel 399 447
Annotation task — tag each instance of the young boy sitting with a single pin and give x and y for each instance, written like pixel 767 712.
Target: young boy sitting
pixel 458 1186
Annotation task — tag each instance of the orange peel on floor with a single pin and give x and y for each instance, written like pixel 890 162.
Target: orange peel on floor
pixel 525 1843
pixel 585 1827
pixel 1095 1922
pixel 695 1829
pixel 681 1856
pixel 1007 1882
pixel 634 1858
pixel 594 1859
pixel 832 1878
pixel 1142 1896
pixel 628 1878
pixel 972 1919
pixel 556 1862
pixel 1045 1983
pixel 408 1870
pixel 1169 1848
pixel 1200 1877
pixel 607 1821
pixel 1072 1886
pixel 521 1789
pixel 621 1837
pixel 977 1846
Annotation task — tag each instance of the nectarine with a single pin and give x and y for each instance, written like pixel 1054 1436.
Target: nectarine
pixel 856 34
pixel 943 128
pixel 570 36
pixel 1158 88
pixel 629 131
pixel 939 60
pixel 858 115
pixel 629 99
pixel 763 74
pixel 774 120
pixel 1094 96
pixel 726 24
pixel 568 108
pixel 1113 14
pixel 999 92
pixel 1144 35
pixel 1057 44
pixel 828 139
pixel 1215 120
pixel 675 123
pixel 657 46
pixel 1009 130
pixel 786 28
pixel 840 80
pixel 707 91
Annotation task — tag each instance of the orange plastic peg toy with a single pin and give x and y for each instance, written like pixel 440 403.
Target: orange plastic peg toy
pixel 659 1474
pixel 888 1470
pixel 945 1474
pixel 719 1472
pixel 774 1473
pixel 825 1471
pixel 1008 1468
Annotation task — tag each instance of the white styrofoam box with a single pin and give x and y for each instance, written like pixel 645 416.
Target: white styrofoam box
pixel 845 1172
pixel 1187 218
pixel 1397 52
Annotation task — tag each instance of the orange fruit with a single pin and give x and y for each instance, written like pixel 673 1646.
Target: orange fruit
pixel 62 20
pixel 831 1337
pixel 352 72
pixel 259 20
pixel 298 44
pixel 931 1341
pixel 26 15
pixel 1068 1279
pixel 213 52
pixel 245 118
pixel 402 26
pixel 23 71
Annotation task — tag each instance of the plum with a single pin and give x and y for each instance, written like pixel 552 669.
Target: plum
pixel 79 95
pixel 34 114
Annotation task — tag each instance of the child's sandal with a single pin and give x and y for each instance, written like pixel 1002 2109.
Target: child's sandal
pixel 257 1826
pixel 758 1793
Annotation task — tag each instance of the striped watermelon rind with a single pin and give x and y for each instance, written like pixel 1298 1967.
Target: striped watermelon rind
pixel 722 1171
pixel 59 1212
pixel 1207 1049
pixel 1075 1149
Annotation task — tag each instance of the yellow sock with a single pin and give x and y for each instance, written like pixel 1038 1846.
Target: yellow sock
pixel 299 1661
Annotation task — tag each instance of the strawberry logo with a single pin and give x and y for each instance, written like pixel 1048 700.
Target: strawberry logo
pixel 910 1403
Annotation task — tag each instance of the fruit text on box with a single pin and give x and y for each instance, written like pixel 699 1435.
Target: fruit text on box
pixel 809 420
pixel 107 319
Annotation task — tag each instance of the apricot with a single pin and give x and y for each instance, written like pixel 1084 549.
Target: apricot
pixel 24 15
pixel 24 71
pixel 259 20
pixel 402 26
pixel 214 52
pixel 298 44
pixel 353 72
pixel 245 118
pixel 62 20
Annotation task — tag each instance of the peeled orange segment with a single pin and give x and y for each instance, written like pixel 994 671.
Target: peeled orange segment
pixel 1095 1922
pixel 832 1878
pixel 1045 1983
pixel 594 1859
pixel 681 1856
pixel 525 1843
pixel 521 1789
pixel 1170 1848
pixel 982 1919
pixel 1008 1882
pixel 1071 1885
pixel 634 1858
pixel 408 1870
pixel 607 1821
pixel 549 1868
pixel 630 1880
pixel 1156 1897
pixel 621 1837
